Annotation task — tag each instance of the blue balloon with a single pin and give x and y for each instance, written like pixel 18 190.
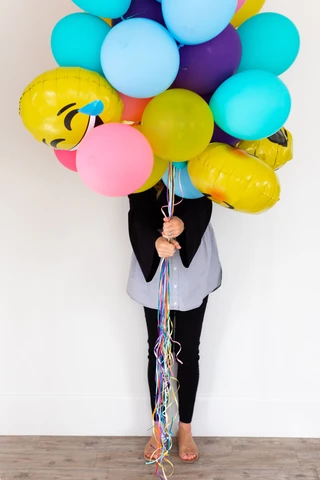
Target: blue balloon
pixel 180 165
pixel 197 21
pixel 140 58
pixel 183 187
pixel 77 39
pixel 270 42
pixel 104 8
pixel 251 105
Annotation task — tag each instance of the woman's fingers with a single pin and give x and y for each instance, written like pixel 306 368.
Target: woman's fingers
pixel 166 249
pixel 170 235
pixel 172 228
pixel 176 244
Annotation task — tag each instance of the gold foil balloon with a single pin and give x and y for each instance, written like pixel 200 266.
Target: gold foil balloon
pixel 159 168
pixel 234 179
pixel 61 106
pixel 249 9
pixel 108 21
pixel 275 151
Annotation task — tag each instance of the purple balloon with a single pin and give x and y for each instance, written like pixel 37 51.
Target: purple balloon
pixel 143 9
pixel 222 137
pixel 204 67
pixel 219 135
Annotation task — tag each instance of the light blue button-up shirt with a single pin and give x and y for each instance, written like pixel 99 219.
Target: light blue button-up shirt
pixel 188 286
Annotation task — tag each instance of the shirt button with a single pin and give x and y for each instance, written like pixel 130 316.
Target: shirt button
pixel 175 303
pixel 175 286
pixel 175 268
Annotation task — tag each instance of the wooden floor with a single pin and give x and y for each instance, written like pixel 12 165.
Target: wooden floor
pixel 105 458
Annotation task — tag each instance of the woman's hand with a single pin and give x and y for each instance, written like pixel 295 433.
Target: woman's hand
pixel 172 228
pixel 166 249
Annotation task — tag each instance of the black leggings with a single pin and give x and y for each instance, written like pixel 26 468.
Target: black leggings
pixel 187 332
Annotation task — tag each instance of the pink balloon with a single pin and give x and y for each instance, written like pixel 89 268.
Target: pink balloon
pixel 240 4
pixel 67 158
pixel 114 159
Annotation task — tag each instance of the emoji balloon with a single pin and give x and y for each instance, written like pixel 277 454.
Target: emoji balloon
pixel 276 150
pixel 61 106
pixel 234 179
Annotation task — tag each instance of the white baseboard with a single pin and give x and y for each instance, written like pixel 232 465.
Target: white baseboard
pixel 108 415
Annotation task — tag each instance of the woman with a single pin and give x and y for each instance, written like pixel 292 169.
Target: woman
pixel 195 273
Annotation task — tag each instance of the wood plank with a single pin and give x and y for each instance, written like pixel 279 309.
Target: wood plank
pixel 194 472
pixel 264 453
pixel 68 474
pixel 309 459
pixel 15 443
pixel 51 443
pixel 14 475
pixel 35 459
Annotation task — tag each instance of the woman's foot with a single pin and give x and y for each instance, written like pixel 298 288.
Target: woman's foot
pixel 188 451
pixel 152 451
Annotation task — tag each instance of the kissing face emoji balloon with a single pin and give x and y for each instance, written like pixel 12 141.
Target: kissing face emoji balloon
pixel 61 106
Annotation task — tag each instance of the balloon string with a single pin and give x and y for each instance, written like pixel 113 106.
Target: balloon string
pixel 170 192
pixel 166 395
pixel 134 15
pixel 130 122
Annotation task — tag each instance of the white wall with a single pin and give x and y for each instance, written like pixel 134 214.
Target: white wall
pixel 73 346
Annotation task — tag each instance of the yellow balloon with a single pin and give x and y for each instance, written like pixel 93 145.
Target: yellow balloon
pixel 49 106
pixel 234 179
pixel 159 168
pixel 178 124
pixel 249 8
pixel 108 21
pixel 275 151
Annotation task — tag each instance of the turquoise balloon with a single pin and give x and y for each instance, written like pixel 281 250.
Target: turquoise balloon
pixel 180 165
pixel 270 42
pixel 183 187
pixel 140 58
pixel 197 21
pixel 251 105
pixel 77 39
pixel 104 8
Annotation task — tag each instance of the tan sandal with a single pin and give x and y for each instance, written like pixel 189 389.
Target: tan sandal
pixel 150 457
pixel 190 445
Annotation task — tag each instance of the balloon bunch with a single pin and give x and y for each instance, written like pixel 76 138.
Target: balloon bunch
pixel 142 83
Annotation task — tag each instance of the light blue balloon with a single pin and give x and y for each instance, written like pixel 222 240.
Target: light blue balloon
pixel 140 58
pixel 77 39
pixel 104 8
pixel 180 165
pixel 251 105
pixel 270 42
pixel 197 21
pixel 183 187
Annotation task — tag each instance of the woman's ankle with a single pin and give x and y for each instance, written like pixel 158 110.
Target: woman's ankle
pixel 185 426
